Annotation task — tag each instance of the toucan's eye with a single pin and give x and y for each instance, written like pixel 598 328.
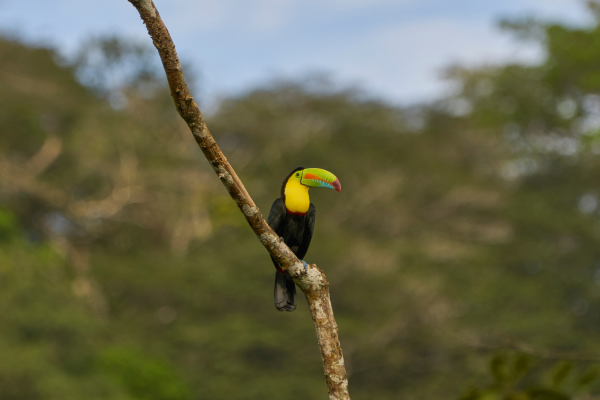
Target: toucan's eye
pixel 298 175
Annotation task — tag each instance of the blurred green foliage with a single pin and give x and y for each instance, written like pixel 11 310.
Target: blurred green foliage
pixel 465 226
pixel 143 378
pixel 516 377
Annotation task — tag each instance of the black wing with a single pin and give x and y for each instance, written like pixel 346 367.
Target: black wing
pixel 277 215
pixel 309 227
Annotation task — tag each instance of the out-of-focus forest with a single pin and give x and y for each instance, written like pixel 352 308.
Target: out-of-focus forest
pixel 462 253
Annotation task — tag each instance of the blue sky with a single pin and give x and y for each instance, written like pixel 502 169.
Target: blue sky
pixel 395 49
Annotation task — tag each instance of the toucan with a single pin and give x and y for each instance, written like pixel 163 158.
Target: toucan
pixel 292 217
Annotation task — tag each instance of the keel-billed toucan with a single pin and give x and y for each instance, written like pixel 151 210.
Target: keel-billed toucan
pixel 292 217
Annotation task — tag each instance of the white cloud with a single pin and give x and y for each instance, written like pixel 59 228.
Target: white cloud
pixel 394 47
pixel 205 15
pixel 404 61
pixel 271 15
pixel 196 15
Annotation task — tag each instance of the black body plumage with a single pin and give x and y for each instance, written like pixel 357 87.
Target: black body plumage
pixel 296 230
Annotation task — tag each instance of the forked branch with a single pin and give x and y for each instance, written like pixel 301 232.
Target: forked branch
pixel 312 282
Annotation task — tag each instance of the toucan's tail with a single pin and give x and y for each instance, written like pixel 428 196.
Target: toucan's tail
pixel 285 292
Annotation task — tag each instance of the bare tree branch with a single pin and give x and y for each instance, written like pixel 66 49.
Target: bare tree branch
pixel 312 282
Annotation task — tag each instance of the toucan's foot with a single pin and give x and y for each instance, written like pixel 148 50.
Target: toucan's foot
pixel 305 266
pixel 281 239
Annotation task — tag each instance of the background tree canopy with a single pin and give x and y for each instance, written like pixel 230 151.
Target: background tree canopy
pixel 467 227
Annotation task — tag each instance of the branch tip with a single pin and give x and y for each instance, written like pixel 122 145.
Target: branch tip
pixel 148 6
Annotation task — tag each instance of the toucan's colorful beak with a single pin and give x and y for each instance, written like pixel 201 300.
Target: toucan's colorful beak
pixel 317 177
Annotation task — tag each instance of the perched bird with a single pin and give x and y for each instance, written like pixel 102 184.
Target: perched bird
pixel 292 217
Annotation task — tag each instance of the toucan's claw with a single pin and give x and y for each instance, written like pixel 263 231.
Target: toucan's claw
pixel 305 266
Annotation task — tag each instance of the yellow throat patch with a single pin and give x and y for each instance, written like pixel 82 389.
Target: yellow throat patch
pixel 296 196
